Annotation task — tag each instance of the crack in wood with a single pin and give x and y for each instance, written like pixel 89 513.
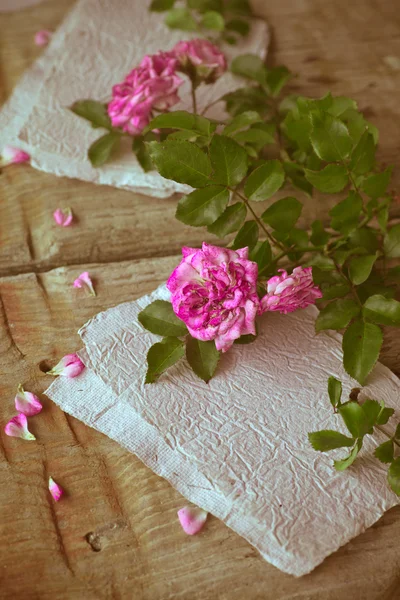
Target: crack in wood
pixel 8 328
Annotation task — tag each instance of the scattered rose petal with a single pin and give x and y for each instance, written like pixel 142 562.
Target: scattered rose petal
pixel 69 366
pixel 55 490
pixel 27 403
pixel 18 427
pixel 43 37
pixel 192 519
pixel 63 217
pixel 84 281
pixel 11 155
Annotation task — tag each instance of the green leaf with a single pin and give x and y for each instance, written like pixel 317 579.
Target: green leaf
pixel 246 236
pixel 238 26
pixel 180 18
pixel 276 79
pixel 355 419
pixel 394 476
pixel 100 151
pixel 360 268
pixel 181 161
pixel 264 181
pixel 213 20
pixel 327 439
pixel 142 155
pixel 363 156
pixel 337 314
pixel 245 99
pixel 319 237
pixel 334 391
pixel 205 5
pixel 339 104
pixel 163 355
pixel 283 214
pixel 241 7
pixel 381 310
pixel 95 112
pixel 296 175
pixel 250 66
pixel 262 255
pixel 345 215
pixel 365 238
pixel 246 339
pixel 372 410
pixel 228 160
pixel 203 206
pixel 257 136
pixel 361 346
pixel 345 463
pixel 332 178
pixel 330 139
pixel 335 291
pixel 384 415
pixel 397 432
pixel 385 452
pixel 159 318
pixel 241 121
pixel 161 5
pixel 392 242
pixel 203 357
pixel 181 119
pixel 230 220
pixel 375 185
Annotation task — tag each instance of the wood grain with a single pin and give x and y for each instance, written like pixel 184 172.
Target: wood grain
pixel 115 535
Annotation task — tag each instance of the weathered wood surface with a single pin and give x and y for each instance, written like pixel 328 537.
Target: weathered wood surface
pixel 129 243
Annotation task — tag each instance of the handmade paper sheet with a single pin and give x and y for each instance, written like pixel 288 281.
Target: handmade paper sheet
pixel 97 45
pixel 238 446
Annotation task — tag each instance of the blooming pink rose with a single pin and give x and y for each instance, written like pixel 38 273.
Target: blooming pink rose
pixel 206 58
pixel 153 84
pixel 214 293
pixel 287 293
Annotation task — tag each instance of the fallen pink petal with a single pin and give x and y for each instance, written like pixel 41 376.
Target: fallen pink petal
pixel 55 490
pixel 27 403
pixel 63 217
pixel 192 519
pixel 11 155
pixel 18 427
pixel 43 37
pixel 69 366
pixel 84 280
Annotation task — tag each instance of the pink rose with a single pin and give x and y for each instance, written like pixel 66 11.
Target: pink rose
pixel 287 293
pixel 214 293
pixel 203 57
pixel 152 85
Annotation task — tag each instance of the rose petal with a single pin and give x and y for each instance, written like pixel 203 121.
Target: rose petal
pixel 192 519
pixel 18 427
pixel 55 490
pixel 69 366
pixel 27 403
pixel 63 217
pixel 11 155
pixel 84 280
pixel 43 37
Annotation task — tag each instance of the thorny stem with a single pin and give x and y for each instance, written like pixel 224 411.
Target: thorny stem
pixel 205 109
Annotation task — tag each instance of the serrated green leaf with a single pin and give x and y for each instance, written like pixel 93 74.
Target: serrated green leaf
pixel 392 242
pixel 257 136
pixel 339 104
pixel 241 121
pixel 321 263
pixel 384 415
pixel 238 26
pixel 230 220
pixel 246 236
pixel 276 79
pixel 161 5
pixel 332 178
pixel 203 206
pixel 360 268
pixel 262 255
pixel 250 66
pixel 335 291
pixel 365 238
pixel 337 314
pixel 394 476
pixel 181 161
pixel 228 160
pixel 327 439
pixel 385 452
pixel 376 185
pixel 283 214
pixel 330 139
pixel 264 181
pixel 355 419
pixel 163 355
pixel 319 237
pixel 381 310
pixel 345 463
pixel 372 410
pixel 159 318
pixel 183 120
pixel 245 99
pixel 213 20
pixel 345 215
pixel 203 357
pixel 180 18
pixel 361 347
pixel 142 155
pixel 334 391
pixel 363 156
pixel 95 112
pixel 246 339
pixel 100 151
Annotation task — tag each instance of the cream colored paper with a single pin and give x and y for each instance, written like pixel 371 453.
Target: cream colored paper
pixel 95 47
pixel 238 446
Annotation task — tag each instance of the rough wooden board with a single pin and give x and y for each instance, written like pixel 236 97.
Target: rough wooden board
pixel 43 551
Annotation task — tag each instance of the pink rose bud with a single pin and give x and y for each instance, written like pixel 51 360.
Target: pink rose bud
pixel 192 519
pixel 55 490
pixel 18 427
pixel 43 37
pixel 63 217
pixel 84 281
pixel 69 366
pixel 200 55
pixel 214 291
pixel 27 403
pixel 287 293
pixel 151 85
pixel 11 155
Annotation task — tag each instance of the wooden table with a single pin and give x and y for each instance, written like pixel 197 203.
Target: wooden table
pixel 130 244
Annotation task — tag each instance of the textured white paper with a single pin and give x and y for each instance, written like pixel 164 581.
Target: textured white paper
pixel 238 446
pixel 97 45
